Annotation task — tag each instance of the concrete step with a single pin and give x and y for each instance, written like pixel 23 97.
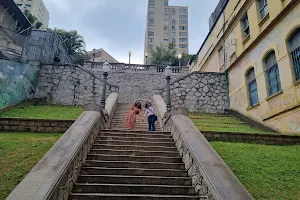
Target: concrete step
pixel 133 164
pixel 102 196
pixel 151 139
pixel 120 130
pixel 133 172
pixel 133 147
pixel 143 134
pixel 145 180
pixel 133 189
pixel 139 143
pixel 134 158
pixel 134 153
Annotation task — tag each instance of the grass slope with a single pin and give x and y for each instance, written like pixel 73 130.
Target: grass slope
pixel 222 123
pixel 44 112
pixel 19 153
pixel 268 172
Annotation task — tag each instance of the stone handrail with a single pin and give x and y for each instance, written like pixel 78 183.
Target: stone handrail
pixel 160 108
pixel 111 104
pixel 211 177
pixel 97 66
pixel 53 176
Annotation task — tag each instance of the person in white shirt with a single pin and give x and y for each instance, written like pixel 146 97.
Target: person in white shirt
pixel 149 111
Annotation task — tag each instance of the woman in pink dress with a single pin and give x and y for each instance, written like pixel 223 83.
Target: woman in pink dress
pixel 131 117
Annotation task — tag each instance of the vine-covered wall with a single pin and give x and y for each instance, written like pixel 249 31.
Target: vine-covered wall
pixel 17 81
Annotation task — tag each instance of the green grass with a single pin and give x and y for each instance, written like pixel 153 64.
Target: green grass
pixel 222 123
pixel 44 112
pixel 19 153
pixel 268 172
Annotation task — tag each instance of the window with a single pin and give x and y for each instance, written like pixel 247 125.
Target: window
pixel 173 40
pixel 182 39
pixel 252 87
pixel 183 34
pixel 28 5
pixel 182 28
pixel 173 34
pixel 166 41
pixel 150 39
pixel 166 16
pixel 173 11
pixel 19 4
pixel 166 22
pixel 182 46
pixel 150 33
pixel 182 10
pixel 182 22
pixel 150 46
pixel 182 16
pixel 151 9
pixel 165 34
pixel 173 16
pixel 272 74
pixel 150 27
pixel 173 22
pixel 165 28
pixel 151 21
pixel 166 3
pixel 151 15
pixel 151 3
pixel 263 8
pixel 245 24
pixel 173 28
pixel 166 10
pixel 294 43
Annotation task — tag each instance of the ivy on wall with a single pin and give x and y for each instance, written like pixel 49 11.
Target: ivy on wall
pixel 17 82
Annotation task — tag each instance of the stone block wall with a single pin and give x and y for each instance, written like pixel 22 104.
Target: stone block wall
pixel 69 85
pixel 199 91
pixel 75 85
pixel 34 125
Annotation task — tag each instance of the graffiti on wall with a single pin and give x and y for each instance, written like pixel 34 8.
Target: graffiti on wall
pixel 17 82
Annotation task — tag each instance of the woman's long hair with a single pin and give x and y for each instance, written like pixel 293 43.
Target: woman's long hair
pixel 138 105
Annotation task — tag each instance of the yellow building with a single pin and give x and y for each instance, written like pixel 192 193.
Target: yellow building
pixel 257 42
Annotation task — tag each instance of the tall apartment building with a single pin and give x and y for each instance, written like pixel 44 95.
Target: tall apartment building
pixel 37 8
pixel 166 24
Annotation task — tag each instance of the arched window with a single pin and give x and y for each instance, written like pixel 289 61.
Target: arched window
pixel 252 87
pixel 272 74
pixel 294 43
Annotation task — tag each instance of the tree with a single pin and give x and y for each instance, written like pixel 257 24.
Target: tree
pixel 75 44
pixel 33 20
pixel 167 56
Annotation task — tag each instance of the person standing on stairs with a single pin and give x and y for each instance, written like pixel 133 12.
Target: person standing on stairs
pixel 135 109
pixel 149 111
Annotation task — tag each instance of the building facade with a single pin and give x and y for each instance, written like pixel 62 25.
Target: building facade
pixel 257 42
pixel 100 55
pixel 166 24
pixel 37 8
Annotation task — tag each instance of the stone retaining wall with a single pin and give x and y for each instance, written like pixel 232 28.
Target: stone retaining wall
pixel 34 125
pixel 76 85
pixel 252 138
pixel 199 91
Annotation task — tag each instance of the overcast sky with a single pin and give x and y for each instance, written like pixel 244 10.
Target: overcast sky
pixel 119 25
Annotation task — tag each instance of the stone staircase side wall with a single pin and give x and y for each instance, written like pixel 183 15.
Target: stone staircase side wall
pixel 198 91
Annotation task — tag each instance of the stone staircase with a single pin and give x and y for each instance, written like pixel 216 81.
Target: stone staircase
pixel 133 165
pixel 119 118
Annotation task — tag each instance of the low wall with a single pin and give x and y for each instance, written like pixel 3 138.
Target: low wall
pixel 252 138
pixel 34 125
pixel 17 80
pixel 198 91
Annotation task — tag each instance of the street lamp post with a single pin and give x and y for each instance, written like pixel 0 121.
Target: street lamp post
pixel 105 68
pixel 146 55
pixel 179 57
pixel 94 54
pixel 168 72
pixel 129 54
